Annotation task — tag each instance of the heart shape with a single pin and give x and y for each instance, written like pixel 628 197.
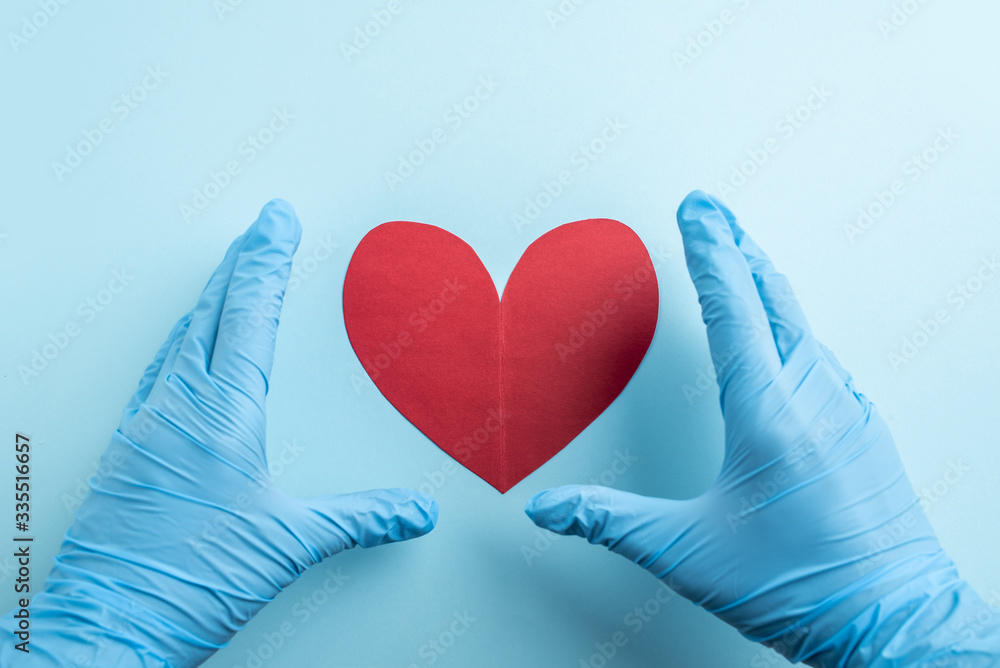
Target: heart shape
pixel 501 386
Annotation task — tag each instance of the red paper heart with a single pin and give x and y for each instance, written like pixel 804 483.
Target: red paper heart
pixel 501 386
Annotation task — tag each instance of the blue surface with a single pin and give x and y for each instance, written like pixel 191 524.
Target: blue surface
pixel 557 88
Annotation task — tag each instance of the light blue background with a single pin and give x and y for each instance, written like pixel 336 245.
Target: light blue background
pixel 557 87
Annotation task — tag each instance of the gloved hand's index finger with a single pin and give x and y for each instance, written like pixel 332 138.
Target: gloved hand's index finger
pixel 788 323
pixel 244 348
pixel 739 337
pixel 153 370
pixel 195 351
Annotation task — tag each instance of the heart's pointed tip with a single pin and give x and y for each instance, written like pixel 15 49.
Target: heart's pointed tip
pixel 501 487
pixel 506 485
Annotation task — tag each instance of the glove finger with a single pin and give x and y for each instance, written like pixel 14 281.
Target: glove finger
pixel 244 350
pixel 171 359
pixel 844 374
pixel 646 530
pixel 152 372
pixel 835 363
pixel 730 304
pixel 196 349
pixel 330 524
pixel 788 323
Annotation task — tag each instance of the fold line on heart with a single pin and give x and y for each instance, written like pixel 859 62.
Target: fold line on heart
pixel 504 486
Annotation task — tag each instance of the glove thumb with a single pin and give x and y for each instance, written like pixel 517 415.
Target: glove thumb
pixel 330 524
pixel 642 529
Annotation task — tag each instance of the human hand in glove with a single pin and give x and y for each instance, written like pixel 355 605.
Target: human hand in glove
pixel 186 538
pixel 811 540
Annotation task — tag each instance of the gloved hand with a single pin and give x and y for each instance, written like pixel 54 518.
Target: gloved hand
pixel 186 539
pixel 811 540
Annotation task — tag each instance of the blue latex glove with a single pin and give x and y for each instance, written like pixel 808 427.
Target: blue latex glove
pixel 186 539
pixel 811 540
